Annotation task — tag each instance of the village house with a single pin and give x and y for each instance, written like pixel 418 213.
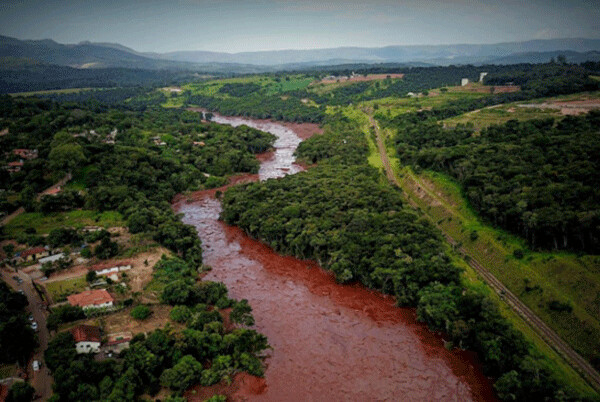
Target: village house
pixel 53 191
pixel 118 341
pixel 199 143
pixel 14 167
pixel 26 153
pixel 52 258
pixel 111 268
pixel 87 338
pixel 89 299
pixel 33 254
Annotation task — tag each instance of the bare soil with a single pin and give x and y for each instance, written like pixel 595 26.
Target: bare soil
pixel 123 322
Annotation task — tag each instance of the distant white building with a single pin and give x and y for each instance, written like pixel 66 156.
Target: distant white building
pixel 464 82
pixel 482 76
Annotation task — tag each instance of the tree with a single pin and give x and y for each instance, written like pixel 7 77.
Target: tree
pixel 67 157
pixel 106 249
pixel 184 374
pixel 180 314
pixel 20 392
pixel 141 312
pixel 91 276
pixel 242 313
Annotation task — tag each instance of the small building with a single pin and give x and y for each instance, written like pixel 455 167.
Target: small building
pixel 33 254
pixel 89 299
pixel 118 341
pixel 464 82
pixel 26 153
pixel 87 338
pixel 14 167
pixel 199 143
pixel 53 191
pixel 111 268
pixel 482 76
pixel 52 258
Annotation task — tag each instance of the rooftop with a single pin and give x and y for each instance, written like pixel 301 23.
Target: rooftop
pixel 33 251
pixel 90 298
pixel 85 333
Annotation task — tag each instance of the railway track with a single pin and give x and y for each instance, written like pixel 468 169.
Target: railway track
pixel 546 333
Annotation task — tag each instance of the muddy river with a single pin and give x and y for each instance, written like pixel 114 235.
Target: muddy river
pixel 330 342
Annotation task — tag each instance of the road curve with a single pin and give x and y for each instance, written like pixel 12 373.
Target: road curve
pixel 544 331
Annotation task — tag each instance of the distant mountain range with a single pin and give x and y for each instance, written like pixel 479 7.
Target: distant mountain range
pixel 107 55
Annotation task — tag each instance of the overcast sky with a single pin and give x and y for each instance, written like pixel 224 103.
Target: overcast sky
pixel 249 25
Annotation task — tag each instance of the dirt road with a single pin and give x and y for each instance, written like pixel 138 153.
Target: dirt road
pixel 544 331
pixel 40 380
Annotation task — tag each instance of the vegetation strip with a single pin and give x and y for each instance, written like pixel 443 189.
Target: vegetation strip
pixel 545 332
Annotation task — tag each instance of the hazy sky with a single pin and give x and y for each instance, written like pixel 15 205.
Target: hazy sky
pixel 249 25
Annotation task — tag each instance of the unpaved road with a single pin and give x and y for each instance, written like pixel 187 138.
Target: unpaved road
pixel 40 380
pixel 544 331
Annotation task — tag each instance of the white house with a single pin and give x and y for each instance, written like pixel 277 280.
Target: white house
pixel 87 338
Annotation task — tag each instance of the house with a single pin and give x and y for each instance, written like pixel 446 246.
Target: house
pixel 14 167
pixel 87 338
pixel 199 143
pixel 33 254
pixel 111 268
pixel 98 298
pixel 26 153
pixel 118 341
pixel 464 82
pixel 52 258
pixel 91 229
pixel 53 191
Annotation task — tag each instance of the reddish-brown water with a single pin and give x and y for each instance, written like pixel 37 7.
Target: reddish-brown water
pixel 330 342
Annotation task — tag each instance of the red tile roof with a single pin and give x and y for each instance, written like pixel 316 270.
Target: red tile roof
pixel 85 333
pixel 90 298
pixel 33 251
pixel 12 164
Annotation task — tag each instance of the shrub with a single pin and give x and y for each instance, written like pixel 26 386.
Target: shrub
pixel 141 312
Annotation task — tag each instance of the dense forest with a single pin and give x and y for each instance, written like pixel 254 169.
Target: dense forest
pixel 203 352
pixel 340 214
pixel 538 179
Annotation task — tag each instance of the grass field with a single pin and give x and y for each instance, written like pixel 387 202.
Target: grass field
pixel 502 113
pixel 59 290
pixel 45 223
pixel 394 106
pixel 8 370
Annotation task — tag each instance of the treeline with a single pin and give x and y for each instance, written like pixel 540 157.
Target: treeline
pixel 39 77
pixel 203 352
pixel 259 106
pixel 17 339
pixel 340 214
pixel 538 179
